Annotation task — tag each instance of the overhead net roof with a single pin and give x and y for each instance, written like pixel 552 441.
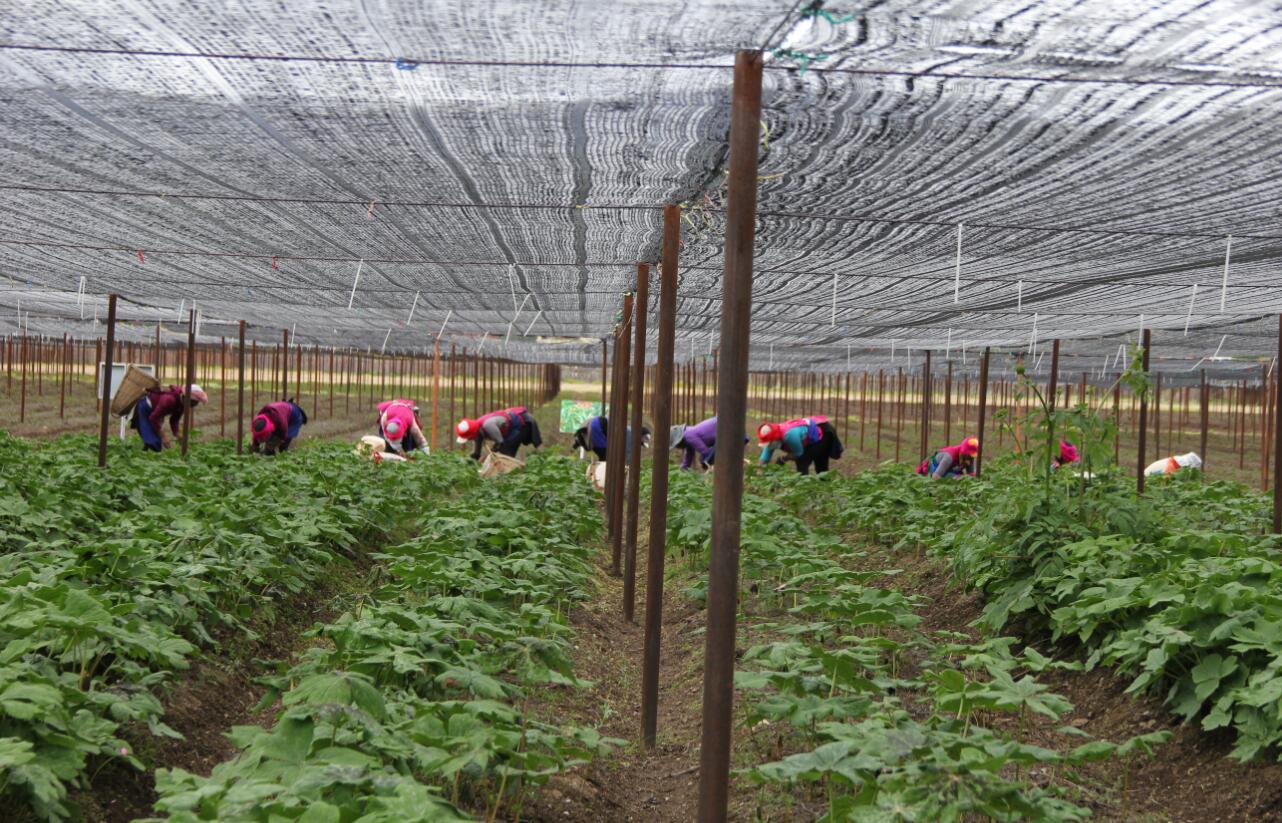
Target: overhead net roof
pixel 942 176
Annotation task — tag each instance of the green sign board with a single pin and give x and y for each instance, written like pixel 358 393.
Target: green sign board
pixel 575 414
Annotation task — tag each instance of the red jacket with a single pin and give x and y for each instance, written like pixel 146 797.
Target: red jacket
pixel 506 414
pixel 166 403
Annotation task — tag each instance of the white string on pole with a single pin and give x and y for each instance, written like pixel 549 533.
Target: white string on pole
pixel 957 275
pixel 443 323
pixel 1224 287
pixel 532 322
pixel 352 297
pixel 413 306
pixel 1189 317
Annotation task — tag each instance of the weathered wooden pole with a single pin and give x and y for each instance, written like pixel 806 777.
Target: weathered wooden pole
pixel 1053 385
pixel 240 389
pixel 191 378
pixel 925 405
pixel 22 386
pixel 436 388
pixel 1204 412
pixel 108 350
pixel 62 378
pixel 1117 422
pixel 615 451
pixel 1157 416
pixel 636 406
pixel 982 411
pixel 948 404
pixel 727 487
pixel 881 398
pixel 1143 423
pixel 1277 450
pixel 659 475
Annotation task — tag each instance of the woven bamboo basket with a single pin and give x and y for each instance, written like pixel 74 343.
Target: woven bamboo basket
pixel 133 387
pixel 496 464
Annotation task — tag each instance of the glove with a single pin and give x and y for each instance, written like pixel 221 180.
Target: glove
pixel 424 449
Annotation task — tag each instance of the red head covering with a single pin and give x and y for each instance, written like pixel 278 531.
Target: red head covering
pixel 263 428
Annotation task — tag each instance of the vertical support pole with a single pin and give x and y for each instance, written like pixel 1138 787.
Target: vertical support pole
pixel 108 349
pixel 1277 449
pixel 240 390
pixel 284 364
pixel 948 405
pixel 253 373
pixel 191 378
pixel 222 387
pixel 845 412
pixel 641 308
pixel 453 371
pixel 1204 412
pixel 1143 424
pixel 1157 416
pixel 615 451
pixel 881 400
pixel 436 388
pixel 965 404
pixel 1117 422
pixel 1053 386
pixel 604 347
pixel 863 408
pixel 925 405
pixel 332 365
pixel 982 411
pixel 62 380
pixel 727 487
pixel 22 387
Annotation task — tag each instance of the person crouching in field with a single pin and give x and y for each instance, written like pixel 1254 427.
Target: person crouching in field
pixel 951 461
pixel 399 428
pixel 806 440
pixel 276 425
pixel 594 436
pixel 153 409
pixel 507 429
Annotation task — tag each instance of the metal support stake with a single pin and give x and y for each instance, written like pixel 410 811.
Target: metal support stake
pixel 727 488
pixel 659 475
pixel 641 309
pixel 108 350
pixel 240 391
pixel 1277 449
pixel 1143 424
pixel 1204 404
pixel 983 410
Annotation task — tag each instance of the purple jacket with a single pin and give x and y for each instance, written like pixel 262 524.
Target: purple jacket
pixel 699 438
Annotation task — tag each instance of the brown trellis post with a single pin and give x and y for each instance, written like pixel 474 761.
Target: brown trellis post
pixel 1052 387
pixel 948 404
pixel 108 349
pixel 436 386
pixel 1277 450
pixel 191 378
pixel 642 310
pixel 222 387
pixel 240 390
pixel 62 379
pixel 925 404
pixel 22 386
pixel 727 488
pixel 1204 411
pixel 615 451
pixel 1143 422
pixel 253 374
pixel 982 411
pixel 659 475
pixel 449 440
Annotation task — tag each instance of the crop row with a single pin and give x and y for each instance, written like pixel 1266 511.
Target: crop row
pixel 414 704
pixel 881 719
pixel 1179 589
pixel 111 581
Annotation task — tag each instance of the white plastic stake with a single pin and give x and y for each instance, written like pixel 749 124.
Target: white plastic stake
pixel 1032 338
pixel 355 282
pixel 80 296
pixel 1019 297
pixel 1217 348
pixel 847 357
pixel 532 322
pixel 1190 314
pixel 957 276
pixel 443 322
pixel 772 357
pixel 413 306
pixel 892 352
pixel 386 337
pixel 484 340
pixel 508 336
pixel 1224 287
pixel 182 304
pixel 834 300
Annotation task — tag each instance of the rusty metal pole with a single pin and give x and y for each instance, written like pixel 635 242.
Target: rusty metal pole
pixel 22 387
pixel 1204 403
pixel 636 407
pixel 948 405
pixel 1053 384
pixel 62 380
pixel 1143 424
pixel 240 391
pixel 436 388
pixel 191 378
pixel 925 404
pixel 1277 450
pixel 615 451
pixel 881 404
pixel 727 487
pixel 108 349
pixel 982 412
pixel 659 476
pixel 604 358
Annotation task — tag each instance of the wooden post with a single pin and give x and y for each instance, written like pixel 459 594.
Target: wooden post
pixel 727 488
pixel 948 405
pixel 108 349
pixel 1117 422
pixel 845 411
pixel 1157 416
pixel 62 380
pixel 240 390
pixel 1052 387
pixel 453 370
pixel 615 451
pixel 191 378
pixel 982 411
pixel 1143 424
pixel 1277 450
pixel 22 387
pixel 925 405
pixel 436 387
pixel 863 408
pixel 1204 412
pixel 641 308
pixel 659 475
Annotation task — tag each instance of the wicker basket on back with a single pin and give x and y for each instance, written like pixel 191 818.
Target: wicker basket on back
pixel 133 387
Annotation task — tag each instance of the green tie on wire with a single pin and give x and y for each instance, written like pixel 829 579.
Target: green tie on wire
pixel 829 16
pixel 804 59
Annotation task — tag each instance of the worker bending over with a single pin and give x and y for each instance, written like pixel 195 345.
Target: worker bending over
pixel 398 426
pixel 1067 454
pixel 806 440
pixel 952 461
pixel 152 409
pixel 507 429
pixel 595 434
pixel 276 425
pixel 698 443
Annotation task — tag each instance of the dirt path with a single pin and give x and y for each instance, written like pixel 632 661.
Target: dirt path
pixel 632 784
pixel 1190 779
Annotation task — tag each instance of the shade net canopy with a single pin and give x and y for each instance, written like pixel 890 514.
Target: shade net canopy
pixel 937 176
